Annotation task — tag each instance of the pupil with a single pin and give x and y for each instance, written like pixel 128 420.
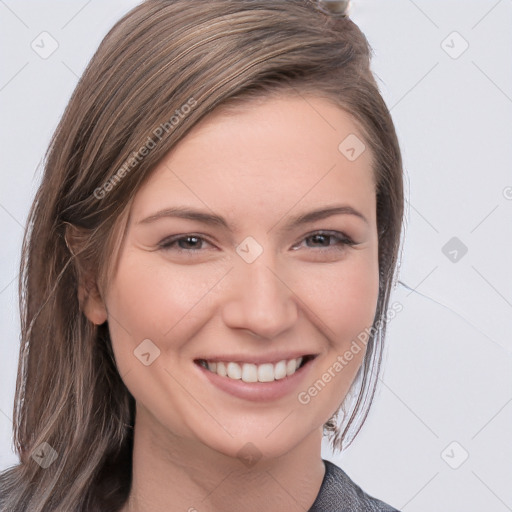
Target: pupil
pixel 189 238
pixel 319 239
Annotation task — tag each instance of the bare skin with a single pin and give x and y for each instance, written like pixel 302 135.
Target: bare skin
pixel 258 168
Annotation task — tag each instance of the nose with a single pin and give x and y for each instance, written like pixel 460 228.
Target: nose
pixel 258 299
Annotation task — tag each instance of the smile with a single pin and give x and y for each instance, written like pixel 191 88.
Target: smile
pixel 249 372
pixel 258 378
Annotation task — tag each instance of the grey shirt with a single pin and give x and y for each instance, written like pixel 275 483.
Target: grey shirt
pixel 338 493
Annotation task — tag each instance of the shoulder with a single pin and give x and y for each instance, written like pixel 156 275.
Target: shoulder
pixel 339 493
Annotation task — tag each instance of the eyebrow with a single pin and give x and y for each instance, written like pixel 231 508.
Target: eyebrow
pixel 212 219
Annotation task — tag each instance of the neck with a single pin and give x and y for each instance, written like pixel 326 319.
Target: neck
pixel 173 473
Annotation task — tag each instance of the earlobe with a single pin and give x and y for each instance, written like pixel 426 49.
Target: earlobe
pixel 89 296
pixel 91 303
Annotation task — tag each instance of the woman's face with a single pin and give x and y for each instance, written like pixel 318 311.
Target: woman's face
pixel 237 278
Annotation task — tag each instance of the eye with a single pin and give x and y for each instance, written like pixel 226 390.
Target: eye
pixel 324 238
pixel 183 243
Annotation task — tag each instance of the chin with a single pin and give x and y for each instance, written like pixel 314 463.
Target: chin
pixel 249 444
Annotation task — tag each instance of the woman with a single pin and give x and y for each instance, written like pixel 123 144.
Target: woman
pixel 207 267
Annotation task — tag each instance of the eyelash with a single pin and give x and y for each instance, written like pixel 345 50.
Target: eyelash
pixel 343 240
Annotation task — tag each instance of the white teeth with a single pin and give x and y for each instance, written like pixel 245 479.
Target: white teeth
pixel 249 372
pixel 234 371
pixel 280 370
pixel 291 366
pixel 266 372
pixel 221 370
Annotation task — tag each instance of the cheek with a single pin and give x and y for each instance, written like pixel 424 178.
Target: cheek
pixel 344 299
pixel 343 296
pixel 165 304
pixel 153 301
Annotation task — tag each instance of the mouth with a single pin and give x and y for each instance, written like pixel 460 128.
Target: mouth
pixel 251 372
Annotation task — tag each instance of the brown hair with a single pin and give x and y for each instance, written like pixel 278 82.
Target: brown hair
pixel 157 58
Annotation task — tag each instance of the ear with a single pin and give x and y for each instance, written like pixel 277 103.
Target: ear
pixel 91 303
pixel 89 295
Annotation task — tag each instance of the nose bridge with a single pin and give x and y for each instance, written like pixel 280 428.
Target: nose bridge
pixel 258 298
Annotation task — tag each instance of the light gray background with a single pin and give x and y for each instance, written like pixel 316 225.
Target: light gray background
pixel 448 366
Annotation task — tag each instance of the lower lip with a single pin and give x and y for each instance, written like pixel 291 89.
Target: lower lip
pixel 258 391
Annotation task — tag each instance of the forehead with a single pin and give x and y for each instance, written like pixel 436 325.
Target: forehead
pixel 265 154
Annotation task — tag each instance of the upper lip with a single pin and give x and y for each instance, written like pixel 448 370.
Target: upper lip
pixel 257 359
